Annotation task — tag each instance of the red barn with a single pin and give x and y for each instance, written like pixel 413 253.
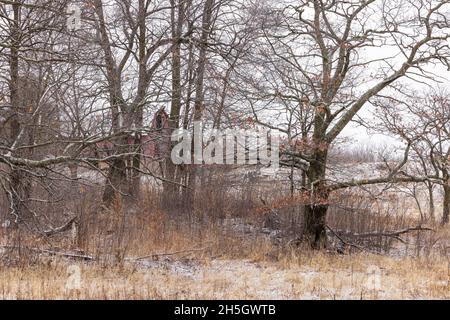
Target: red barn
pixel 155 144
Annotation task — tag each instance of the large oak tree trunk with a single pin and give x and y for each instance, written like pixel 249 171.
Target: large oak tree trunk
pixel 315 225
pixel 315 210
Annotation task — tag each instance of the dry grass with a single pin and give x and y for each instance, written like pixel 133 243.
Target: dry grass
pixel 304 276
pixel 144 254
pixel 226 267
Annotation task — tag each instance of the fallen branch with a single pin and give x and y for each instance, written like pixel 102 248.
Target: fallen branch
pixel 382 180
pixel 54 253
pixel 61 229
pixel 154 255
pixel 69 255
pixel 349 244
pixel 391 234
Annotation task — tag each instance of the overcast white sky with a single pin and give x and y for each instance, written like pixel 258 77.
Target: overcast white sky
pixel 361 134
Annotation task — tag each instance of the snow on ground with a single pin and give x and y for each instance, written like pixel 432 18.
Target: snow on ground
pixel 219 279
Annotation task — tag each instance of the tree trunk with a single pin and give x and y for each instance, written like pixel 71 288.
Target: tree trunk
pixel 115 183
pixel 431 207
pixel 116 180
pixel 446 207
pixel 135 184
pixel 171 197
pixel 19 187
pixel 315 225
pixel 117 175
pixel 315 211
pixel 199 89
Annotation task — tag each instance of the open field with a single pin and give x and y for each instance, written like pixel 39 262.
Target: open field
pixel 303 276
